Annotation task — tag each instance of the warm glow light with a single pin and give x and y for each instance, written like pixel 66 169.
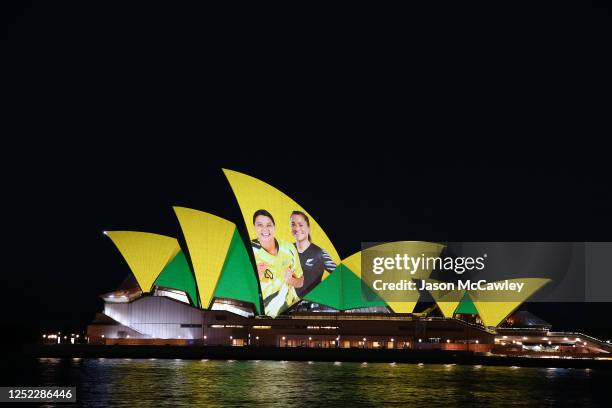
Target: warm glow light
pixel 448 340
pixel 476 341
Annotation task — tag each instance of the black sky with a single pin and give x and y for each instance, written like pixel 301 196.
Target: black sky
pixel 445 124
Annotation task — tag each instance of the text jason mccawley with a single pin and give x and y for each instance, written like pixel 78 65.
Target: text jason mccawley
pixel 481 284
pixel 459 265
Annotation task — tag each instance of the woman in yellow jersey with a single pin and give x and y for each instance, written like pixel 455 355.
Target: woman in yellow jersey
pixel 278 266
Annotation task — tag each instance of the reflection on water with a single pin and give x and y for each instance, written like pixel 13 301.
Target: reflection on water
pixel 154 382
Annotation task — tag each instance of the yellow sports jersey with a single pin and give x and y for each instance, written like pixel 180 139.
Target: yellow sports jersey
pixel 277 295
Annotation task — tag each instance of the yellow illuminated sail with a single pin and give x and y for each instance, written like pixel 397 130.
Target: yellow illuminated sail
pixel 412 249
pixel 208 238
pixel 146 254
pixel 495 305
pixel 447 300
pixel 253 194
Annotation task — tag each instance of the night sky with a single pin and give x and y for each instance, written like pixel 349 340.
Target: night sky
pixel 445 124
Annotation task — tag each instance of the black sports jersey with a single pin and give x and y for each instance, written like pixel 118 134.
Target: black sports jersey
pixel 314 260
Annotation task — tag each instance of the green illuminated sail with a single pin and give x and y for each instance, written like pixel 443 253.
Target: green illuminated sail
pixel 177 275
pixel 343 290
pixel 238 280
pixel 466 306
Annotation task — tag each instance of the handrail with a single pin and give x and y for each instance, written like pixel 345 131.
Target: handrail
pixel 594 339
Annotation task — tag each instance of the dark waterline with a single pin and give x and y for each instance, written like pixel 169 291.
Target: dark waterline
pixel 150 382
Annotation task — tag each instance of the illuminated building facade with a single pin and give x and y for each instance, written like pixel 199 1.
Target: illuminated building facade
pixel 210 292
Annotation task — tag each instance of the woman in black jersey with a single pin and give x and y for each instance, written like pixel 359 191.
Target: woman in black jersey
pixel 313 259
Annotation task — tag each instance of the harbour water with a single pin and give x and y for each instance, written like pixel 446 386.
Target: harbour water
pixel 227 383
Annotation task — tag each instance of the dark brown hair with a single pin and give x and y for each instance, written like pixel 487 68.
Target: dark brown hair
pixel 265 214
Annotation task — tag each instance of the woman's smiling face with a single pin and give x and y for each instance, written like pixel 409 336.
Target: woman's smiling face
pixel 299 227
pixel 264 228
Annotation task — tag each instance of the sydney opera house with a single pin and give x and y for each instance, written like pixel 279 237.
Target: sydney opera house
pixel 204 288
